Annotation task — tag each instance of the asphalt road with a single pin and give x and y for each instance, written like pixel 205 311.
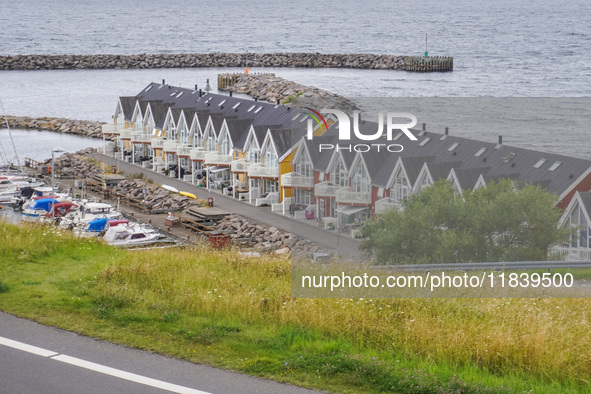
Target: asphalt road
pixel 347 247
pixel 47 360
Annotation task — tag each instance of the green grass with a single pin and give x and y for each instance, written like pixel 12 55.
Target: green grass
pixel 236 313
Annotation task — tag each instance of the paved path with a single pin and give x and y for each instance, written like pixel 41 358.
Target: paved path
pixel 40 359
pixel 347 247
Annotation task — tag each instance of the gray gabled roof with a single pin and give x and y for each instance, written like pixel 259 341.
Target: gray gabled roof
pixel 127 106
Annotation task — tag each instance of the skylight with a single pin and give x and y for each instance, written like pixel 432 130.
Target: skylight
pixel 303 118
pixel 295 117
pixel 555 166
pixel 236 105
pixel 222 102
pixel 397 136
pixel 454 146
pixel 480 152
pixel 148 88
pixel 251 108
pixel 540 163
pixel 258 109
pixel 424 142
pixel 173 93
pixel 180 94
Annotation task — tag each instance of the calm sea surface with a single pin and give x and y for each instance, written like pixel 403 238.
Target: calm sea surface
pixel 506 48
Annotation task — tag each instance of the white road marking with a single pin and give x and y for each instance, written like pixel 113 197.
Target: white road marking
pixel 27 348
pixel 175 388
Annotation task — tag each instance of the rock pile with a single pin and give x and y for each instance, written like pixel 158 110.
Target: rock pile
pixel 192 60
pixel 270 88
pixel 70 164
pixel 59 125
pixel 265 239
pixel 155 198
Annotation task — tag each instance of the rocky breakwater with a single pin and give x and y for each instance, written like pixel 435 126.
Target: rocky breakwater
pixel 270 88
pixel 59 125
pixel 266 239
pixel 155 197
pixel 192 60
pixel 73 165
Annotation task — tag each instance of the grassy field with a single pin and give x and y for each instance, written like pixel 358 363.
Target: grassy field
pixel 236 313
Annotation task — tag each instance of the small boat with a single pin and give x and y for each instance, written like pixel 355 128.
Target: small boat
pixel 38 208
pixel 130 235
pixel 88 212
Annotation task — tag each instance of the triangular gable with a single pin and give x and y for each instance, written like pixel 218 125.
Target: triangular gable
pixel 576 200
pixel 399 166
pixel 268 142
pixel 224 132
pixel 424 173
pixel 251 139
pixel 137 112
pixel 356 161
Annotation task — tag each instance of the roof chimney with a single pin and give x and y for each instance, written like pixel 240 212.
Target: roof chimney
pixel 500 140
pixel 256 99
pixel 447 131
pixel 163 81
pixel 195 86
pixel 230 93
pixel 278 101
pixel 424 126
pixel 200 93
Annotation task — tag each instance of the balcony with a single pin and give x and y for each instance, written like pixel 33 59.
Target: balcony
pixel 139 137
pixel 126 134
pixel 240 165
pixel 292 179
pixel 385 204
pixel 184 150
pixel 570 253
pixel 325 189
pixel 110 129
pixel 216 158
pixel 170 146
pixel 157 143
pixel 198 154
pixel 260 171
pixel 346 196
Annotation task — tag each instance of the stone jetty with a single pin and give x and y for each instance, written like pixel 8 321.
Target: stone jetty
pixel 194 60
pixel 59 125
pixel 271 88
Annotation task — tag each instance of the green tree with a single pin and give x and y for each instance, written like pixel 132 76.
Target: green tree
pixel 438 225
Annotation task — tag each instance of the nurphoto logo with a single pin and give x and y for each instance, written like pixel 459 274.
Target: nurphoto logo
pixel 345 134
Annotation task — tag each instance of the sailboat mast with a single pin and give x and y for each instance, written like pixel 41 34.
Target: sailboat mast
pixel 18 161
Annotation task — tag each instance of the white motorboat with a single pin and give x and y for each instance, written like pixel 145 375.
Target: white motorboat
pixel 131 235
pixel 90 211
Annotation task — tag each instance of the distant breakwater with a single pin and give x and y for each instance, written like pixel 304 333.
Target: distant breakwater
pixel 85 128
pixel 195 60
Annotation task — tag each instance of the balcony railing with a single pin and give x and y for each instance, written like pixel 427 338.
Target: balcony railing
pixel 325 189
pixel 126 134
pixel 240 165
pixel 157 143
pixel 350 197
pixel 170 146
pixel 385 204
pixel 184 150
pixel 111 129
pixel 216 158
pixel 198 154
pixel 294 180
pixel 139 137
pixel 570 254
pixel 260 171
